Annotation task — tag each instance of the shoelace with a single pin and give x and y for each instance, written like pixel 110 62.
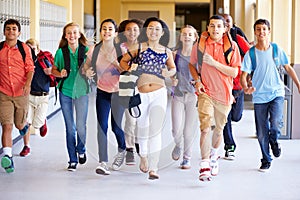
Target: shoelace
pixel 119 159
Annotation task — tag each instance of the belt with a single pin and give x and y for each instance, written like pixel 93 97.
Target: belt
pixel 39 93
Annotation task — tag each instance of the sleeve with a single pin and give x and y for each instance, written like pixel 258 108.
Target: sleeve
pixel 59 59
pixel 193 58
pixel 29 65
pixel 246 64
pixel 283 59
pixel 236 57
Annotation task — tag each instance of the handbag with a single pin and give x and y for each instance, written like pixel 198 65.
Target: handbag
pixel 129 97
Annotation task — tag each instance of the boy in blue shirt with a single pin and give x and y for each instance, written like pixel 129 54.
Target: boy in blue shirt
pixel 268 91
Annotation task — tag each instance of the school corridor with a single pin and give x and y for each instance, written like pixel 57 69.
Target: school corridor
pixel 43 174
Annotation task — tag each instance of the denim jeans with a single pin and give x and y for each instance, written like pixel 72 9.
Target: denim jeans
pixel 81 109
pixel 268 121
pixel 106 102
pixel 235 115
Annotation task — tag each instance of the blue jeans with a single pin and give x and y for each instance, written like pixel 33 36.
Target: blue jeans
pixel 268 121
pixel 235 115
pixel 106 102
pixel 81 109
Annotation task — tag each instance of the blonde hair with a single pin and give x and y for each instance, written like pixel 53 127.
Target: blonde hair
pixel 33 42
pixel 179 43
pixel 64 42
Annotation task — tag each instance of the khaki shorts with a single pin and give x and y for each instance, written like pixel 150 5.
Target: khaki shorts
pixel 210 110
pixel 13 109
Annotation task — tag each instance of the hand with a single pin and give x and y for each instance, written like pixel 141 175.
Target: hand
pixel 199 88
pixel 63 73
pixel 26 90
pixel 133 67
pixel 47 71
pixel 90 73
pixel 249 90
pixel 174 81
pixel 209 60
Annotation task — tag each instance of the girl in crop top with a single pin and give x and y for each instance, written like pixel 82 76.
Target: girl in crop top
pixel 155 63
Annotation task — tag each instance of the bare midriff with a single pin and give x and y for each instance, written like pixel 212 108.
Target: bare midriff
pixel 149 83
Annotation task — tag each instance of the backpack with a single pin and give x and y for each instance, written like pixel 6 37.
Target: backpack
pixel 275 58
pixel 280 68
pixel 46 60
pixel 227 47
pixel 20 47
pixel 96 52
pixel 66 55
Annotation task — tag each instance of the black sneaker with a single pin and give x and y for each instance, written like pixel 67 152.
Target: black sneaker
pixel 129 158
pixel 82 158
pixel 72 167
pixel 276 149
pixel 265 166
pixel 229 155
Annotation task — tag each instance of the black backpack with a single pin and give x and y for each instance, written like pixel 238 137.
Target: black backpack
pixel 20 47
pixel 66 55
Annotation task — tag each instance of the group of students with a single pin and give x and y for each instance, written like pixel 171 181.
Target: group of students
pixel 210 66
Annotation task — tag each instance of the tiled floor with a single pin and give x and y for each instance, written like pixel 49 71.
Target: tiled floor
pixel 43 175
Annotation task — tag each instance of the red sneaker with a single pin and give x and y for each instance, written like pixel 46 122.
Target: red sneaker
pixel 43 130
pixel 25 151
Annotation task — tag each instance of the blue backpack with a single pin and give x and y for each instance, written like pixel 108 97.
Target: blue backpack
pixel 280 69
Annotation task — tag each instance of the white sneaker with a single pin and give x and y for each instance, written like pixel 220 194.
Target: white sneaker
pixel 102 169
pixel 214 165
pixel 205 171
pixel 119 160
pixel 185 164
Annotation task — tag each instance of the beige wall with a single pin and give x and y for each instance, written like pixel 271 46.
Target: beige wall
pixel 89 7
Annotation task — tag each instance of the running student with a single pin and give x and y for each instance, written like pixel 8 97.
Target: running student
pixel 73 91
pixel 184 110
pixel 155 63
pixel 214 83
pixel 267 90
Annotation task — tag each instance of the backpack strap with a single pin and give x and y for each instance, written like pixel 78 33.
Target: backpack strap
pixel 20 47
pixel 94 58
pixel 227 47
pixel 275 54
pixel 178 52
pixel 252 57
pixel 1 45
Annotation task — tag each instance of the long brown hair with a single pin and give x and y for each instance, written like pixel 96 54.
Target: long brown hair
pixel 63 41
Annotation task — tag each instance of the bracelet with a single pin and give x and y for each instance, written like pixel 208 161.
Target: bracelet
pixel 197 81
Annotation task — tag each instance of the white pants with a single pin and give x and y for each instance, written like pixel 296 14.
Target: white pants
pixel 37 111
pixel 150 125
pixel 185 122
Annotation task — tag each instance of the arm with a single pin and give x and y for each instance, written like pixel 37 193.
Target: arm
pixel 55 72
pixel 125 60
pixel 198 84
pixel 171 71
pixel 229 71
pixel 291 72
pixel 27 86
pixel 248 88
